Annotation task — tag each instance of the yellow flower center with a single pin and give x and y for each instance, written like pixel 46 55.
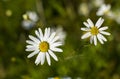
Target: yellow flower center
pixel 43 46
pixel 25 17
pixel 94 30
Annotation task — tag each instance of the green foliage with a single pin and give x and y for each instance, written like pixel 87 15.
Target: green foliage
pixel 79 59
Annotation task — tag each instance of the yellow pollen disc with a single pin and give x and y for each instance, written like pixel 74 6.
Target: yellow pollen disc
pixel 43 46
pixel 94 30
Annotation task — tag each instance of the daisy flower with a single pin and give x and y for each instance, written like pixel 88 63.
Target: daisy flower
pixel 30 15
pixel 44 45
pixel 104 9
pixel 95 31
pixel 29 19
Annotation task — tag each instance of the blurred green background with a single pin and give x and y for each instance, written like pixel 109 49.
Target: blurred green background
pixel 80 59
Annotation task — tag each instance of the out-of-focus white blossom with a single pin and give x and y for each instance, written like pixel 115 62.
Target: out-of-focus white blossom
pixel 30 18
pixel 83 9
pixel 27 24
pixel 98 3
pixel 60 32
pixel 116 16
pixel 104 10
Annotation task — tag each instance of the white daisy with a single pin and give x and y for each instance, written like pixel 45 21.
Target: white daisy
pixel 30 15
pixel 29 19
pixel 44 46
pixel 94 31
pixel 104 9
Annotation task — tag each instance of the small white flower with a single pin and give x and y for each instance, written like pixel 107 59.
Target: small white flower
pixel 30 15
pixel 98 3
pixel 44 46
pixel 83 9
pixel 30 18
pixel 94 31
pixel 104 9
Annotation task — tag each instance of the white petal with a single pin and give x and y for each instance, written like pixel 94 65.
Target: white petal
pixel 48 32
pixel 95 40
pixel 30 49
pixel 30 42
pixel 86 35
pixel 33 53
pixel 45 34
pixel 91 39
pixel 56 44
pixel 42 58
pixel 99 12
pixel 48 59
pixel 99 38
pixel 41 34
pixel 53 55
pixel 31 46
pixel 105 33
pixel 103 28
pixel 38 59
pixel 90 23
pixel 51 36
pixel 56 49
pixel 86 24
pixel 34 39
pixel 37 34
pixel 85 29
pixel 102 10
pixel 34 45
pixel 102 37
pixel 99 23
pixel 54 39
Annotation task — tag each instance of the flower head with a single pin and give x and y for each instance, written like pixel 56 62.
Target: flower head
pixel 104 9
pixel 29 19
pixel 44 46
pixel 95 31
pixel 98 3
pixel 30 15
